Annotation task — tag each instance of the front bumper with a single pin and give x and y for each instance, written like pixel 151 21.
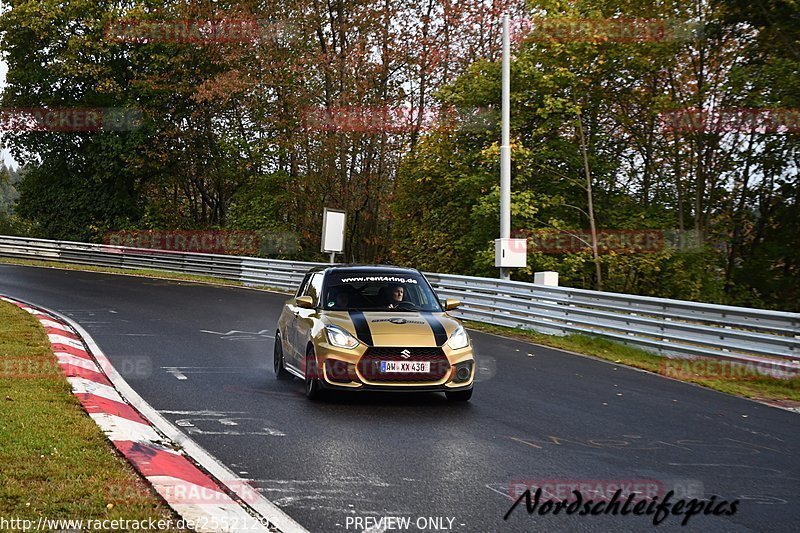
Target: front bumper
pixel 355 378
pixel 381 388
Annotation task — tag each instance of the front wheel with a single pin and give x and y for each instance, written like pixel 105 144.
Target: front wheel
pixel 313 388
pixel 277 359
pixel 459 395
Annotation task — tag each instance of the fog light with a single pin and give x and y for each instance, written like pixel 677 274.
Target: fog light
pixel 463 371
pixel 337 371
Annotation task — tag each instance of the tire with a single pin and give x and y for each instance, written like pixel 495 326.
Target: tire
pixel 459 395
pixel 277 359
pixel 313 387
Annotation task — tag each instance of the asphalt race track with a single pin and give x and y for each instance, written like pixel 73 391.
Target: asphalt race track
pixel 202 355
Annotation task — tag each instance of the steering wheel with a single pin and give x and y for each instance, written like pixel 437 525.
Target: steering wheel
pixel 409 306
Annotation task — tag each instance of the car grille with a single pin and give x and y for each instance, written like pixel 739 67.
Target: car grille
pixel 369 364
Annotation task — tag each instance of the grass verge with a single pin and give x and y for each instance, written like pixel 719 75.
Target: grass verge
pixel 783 391
pixel 56 462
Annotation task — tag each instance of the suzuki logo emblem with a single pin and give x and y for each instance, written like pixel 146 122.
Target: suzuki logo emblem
pixel 405 353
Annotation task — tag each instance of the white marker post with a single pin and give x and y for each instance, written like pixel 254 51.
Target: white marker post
pixel 508 252
pixel 333 224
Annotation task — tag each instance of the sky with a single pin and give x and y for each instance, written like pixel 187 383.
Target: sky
pixel 9 161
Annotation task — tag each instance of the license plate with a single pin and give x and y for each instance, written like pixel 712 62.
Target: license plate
pixel 406 366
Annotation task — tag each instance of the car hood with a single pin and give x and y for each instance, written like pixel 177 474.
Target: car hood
pixel 394 328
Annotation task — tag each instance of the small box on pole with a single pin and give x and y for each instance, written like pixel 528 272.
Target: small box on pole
pixel 510 253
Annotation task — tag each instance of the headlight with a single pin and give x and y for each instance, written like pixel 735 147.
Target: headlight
pixel 340 337
pixel 458 339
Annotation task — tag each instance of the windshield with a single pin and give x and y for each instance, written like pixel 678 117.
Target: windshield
pixel 377 291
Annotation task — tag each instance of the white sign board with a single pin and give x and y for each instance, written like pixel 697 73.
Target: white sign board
pixel 333 222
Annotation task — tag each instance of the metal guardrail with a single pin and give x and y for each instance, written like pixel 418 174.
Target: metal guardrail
pixel 670 327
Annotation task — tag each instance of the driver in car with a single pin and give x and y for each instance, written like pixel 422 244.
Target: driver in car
pixel 342 300
pixel 396 296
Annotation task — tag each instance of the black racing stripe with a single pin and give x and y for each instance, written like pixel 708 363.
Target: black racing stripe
pixel 439 333
pixel 362 327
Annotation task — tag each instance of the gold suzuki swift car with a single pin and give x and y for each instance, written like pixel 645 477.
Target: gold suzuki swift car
pixel 355 328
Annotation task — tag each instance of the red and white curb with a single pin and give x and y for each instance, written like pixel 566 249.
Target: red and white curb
pixel 163 454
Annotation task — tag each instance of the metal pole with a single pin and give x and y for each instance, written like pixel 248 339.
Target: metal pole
pixel 333 257
pixel 505 146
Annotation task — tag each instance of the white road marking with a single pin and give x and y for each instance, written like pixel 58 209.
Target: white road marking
pixel 192 429
pixel 224 418
pixel 175 372
pixel 180 371
pixel 238 335
pixel 763 500
pixel 501 493
pixel 268 432
pixel 328 494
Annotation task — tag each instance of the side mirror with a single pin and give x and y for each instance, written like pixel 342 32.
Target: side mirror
pixel 451 303
pixel 306 302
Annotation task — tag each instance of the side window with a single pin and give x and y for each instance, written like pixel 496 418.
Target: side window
pixel 315 288
pixel 301 290
pixel 416 296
